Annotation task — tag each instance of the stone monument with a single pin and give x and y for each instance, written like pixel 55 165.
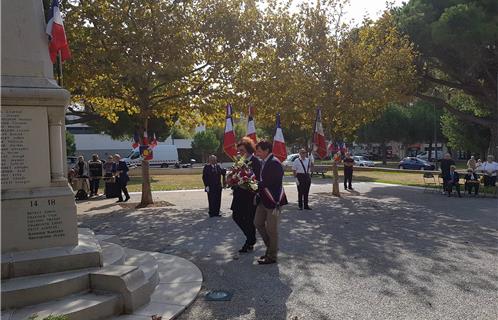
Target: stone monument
pixel 38 208
pixel 48 265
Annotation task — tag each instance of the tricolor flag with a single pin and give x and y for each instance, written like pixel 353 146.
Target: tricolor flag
pixel 153 143
pixel 279 149
pixel 136 140
pixel 229 143
pixel 251 127
pixel 145 140
pixel 56 34
pixel 319 145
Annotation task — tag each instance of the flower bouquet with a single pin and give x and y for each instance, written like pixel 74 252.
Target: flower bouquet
pixel 240 175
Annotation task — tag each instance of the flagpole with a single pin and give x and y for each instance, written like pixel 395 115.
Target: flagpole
pixel 59 69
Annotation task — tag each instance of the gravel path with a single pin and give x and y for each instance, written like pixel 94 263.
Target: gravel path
pixel 380 252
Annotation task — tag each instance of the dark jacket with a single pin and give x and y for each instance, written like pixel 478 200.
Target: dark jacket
pixel 212 176
pixel 456 177
pixel 271 190
pixel 468 177
pixel 243 200
pixel 123 177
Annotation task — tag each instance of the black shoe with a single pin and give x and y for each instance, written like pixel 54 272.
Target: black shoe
pixel 120 200
pixel 246 248
pixel 350 188
pixel 307 208
pixel 267 260
pixel 345 188
pixel 300 208
pixel 126 199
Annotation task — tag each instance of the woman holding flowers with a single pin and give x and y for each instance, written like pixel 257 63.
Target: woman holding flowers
pixel 243 178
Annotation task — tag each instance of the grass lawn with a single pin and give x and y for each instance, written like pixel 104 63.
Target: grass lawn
pixel 168 182
pixel 194 181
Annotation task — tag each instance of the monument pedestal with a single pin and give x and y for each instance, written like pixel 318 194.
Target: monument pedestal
pixel 49 267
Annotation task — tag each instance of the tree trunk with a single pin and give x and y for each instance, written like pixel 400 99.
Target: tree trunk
pixel 335 180
pixel 146 189
pixel 493 142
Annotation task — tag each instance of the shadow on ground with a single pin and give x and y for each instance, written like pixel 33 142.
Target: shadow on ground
pixel 387 243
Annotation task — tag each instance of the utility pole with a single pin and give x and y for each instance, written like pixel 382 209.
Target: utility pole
pixel 435 135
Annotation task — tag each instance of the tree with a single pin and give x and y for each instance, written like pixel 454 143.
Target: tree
pixel 466 136
pixel 205 143
pixel 141 61
pixel 457 41
pixel 423 118
pixel 390 126
pixel 311 59
pixel 70 144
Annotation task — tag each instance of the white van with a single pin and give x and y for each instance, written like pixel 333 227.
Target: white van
pixel 164 155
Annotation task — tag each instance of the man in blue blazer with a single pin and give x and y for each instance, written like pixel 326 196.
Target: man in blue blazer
pixel 271 197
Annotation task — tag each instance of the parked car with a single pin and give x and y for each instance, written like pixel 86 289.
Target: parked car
pixel 164 155
pixel 290 159
pixel 362 161
pixel 425 155
pixel 414 163
pixel 189 164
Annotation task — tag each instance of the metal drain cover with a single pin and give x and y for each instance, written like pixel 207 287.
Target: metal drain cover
pixel 218 295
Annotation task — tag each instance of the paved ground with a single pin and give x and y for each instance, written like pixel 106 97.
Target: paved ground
pixel 381 252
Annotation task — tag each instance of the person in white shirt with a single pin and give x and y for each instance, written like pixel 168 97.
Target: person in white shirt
pixel 489 170
pixel 301 169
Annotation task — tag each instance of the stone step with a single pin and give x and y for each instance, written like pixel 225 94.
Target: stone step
pixel 112 253
pixel 25 291
pixel 145 261
pixel 84 306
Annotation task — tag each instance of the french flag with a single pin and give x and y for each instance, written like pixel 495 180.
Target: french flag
pixel 153 143
pixel 56 34
pixel 145 140
pixel 251 127
pixel 229 143
pixel 319 144
pixel 279 149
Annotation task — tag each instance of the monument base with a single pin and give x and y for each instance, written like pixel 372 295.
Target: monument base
pixel 38 218
pixel 135 283
pixel 87 254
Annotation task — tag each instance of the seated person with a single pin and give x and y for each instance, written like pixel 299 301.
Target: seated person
pixel 489 170
pixel 452 179
pixel 471 181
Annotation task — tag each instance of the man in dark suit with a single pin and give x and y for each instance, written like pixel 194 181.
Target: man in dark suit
pixel 271 198
pixel 452 181
pixel 121 172
pixel 212 177
pixel 472 181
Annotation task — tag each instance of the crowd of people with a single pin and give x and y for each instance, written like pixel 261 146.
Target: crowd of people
pixel 476 169
pixel 260 210
pixel 253 210
pixel 85 177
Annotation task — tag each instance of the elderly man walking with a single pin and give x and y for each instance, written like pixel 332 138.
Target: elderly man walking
pixel 301 169
pixel 213 177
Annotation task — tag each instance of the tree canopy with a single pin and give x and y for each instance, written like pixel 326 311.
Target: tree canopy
pixel 457 41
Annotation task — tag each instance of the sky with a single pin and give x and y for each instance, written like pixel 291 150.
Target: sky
pixel 358 8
